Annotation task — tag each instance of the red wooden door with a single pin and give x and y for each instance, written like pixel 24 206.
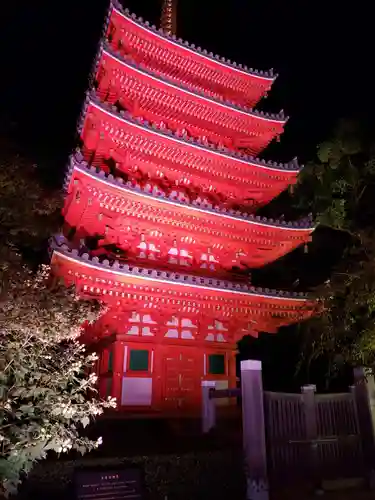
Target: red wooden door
pixel 181 378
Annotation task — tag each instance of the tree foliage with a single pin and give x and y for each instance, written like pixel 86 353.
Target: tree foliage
pixel 29 212
pixel 339 188
pixel 47 393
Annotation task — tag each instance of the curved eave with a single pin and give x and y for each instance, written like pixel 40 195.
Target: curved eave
pixel 190 50
pixel 304 227
pixel 291 167
pixel 229 107
pixel 143 276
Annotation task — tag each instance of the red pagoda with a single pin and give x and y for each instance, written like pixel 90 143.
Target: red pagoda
pixel 159 215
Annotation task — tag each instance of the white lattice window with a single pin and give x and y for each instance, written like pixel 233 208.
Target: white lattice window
pixel 180 256
pixel 208 261
pixel 181 328
pixel 216 332
pixel 141 324
pixel 147 250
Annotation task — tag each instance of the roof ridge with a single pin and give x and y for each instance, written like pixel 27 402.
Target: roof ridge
pixel 60 244
pixel 115 4
pixel 77 161
pixel 125 115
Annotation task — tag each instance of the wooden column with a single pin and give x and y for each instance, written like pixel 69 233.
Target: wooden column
pixel 118 361
pixel 208 407
pixel 254 440
pixel 364 396
pixel 308 394
pixel 232 370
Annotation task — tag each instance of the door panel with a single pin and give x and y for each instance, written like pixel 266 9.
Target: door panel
pixel 181 378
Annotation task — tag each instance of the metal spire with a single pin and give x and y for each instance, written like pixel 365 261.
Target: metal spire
pixel 168 20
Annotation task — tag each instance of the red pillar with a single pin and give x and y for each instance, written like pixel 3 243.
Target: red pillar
pixel 232 369
pixel 118 361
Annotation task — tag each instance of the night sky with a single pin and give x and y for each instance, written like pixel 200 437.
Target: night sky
pixel 324 56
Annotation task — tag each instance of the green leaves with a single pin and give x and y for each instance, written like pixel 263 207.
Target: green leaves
pixel 339 188
pixel 46 392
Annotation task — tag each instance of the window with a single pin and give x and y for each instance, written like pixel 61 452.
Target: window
pixel 216 364
pixel 138 361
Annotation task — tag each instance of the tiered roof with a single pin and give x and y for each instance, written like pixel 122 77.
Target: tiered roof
pixel 126 286
pixel 168 121
pixel 218 120
pixel 164 153
pixel 130 211
pixel 183 62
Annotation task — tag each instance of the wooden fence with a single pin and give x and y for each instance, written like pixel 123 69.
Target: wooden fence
pixel 312 438
pixel 298 438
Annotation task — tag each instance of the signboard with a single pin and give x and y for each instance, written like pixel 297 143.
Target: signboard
pixel 109 483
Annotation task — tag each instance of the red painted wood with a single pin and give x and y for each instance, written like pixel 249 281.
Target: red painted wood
pixel 163 233
pixel 118 359
pixel 178 210
pixel 239 308
pixel 201 117
pixel 182 370
pixel 143 153
pixel 180 64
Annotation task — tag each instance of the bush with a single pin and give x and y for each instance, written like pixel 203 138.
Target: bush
pixel 47 393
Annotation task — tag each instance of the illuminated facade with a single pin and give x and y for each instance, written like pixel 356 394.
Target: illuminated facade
pixel 159 215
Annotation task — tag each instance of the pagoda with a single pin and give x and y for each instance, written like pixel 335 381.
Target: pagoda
pixel 159 215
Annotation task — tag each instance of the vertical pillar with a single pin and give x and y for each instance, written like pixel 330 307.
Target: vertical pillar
pixel 117 370
pixel 232 370
pixel 308 394
pixel 254 439
pixel 208 407
pixel 365 397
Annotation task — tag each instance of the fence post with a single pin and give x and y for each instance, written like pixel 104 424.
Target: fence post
pixel 364 392
pixel 254 440
pixel 208 407
pixel 308 394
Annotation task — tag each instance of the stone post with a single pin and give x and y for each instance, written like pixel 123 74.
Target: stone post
pixel 364 391
pixel 308 395
pixel 208 407
pixel 253 426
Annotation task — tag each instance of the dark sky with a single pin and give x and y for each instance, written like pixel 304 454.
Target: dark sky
pixel 323 55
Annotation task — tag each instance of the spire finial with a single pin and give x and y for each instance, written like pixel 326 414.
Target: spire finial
pixel 169 17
